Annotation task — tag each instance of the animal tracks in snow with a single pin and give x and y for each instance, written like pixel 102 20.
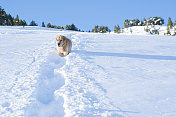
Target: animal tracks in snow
pixel 46 104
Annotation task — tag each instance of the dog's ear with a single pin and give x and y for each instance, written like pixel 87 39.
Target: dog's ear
pixel 57 38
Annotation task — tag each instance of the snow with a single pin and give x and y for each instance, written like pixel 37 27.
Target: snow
pixel 106 75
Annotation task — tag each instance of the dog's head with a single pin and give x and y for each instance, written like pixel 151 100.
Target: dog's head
pixel 60 40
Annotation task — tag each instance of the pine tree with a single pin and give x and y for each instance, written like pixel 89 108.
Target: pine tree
pixel 170 24
pixel 20 23
pixel 16 21
pixel 95 30
pixel 126 24
pixel 43 24
pixel 2 16
pixel 60 27
pixel 10 20
pixel 168 30
pixel 150 21
pixel 144 22
pixel 5 19
pixel 67 27
pixel 137 22
pixel 33 23
pixel 107 29
pixel 73 27
pixel 49 25
pixel 24 23
pixel 117 29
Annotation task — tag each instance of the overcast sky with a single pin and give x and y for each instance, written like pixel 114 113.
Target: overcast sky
pixel 85 14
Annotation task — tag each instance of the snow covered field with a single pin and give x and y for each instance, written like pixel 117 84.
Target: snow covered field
pixel 106 75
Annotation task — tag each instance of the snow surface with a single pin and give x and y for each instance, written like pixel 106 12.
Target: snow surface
pixel 106 75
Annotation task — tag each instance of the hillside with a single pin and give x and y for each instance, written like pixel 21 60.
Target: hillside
pixel 106 75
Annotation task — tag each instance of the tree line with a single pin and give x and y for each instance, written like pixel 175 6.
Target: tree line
pixel 8 20
pixel 151 22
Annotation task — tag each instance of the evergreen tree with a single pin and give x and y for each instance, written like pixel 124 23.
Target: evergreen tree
pixel 66 27
pixel 150 21
pixel 10 20
pixel 159 21
pixel 168 31
pixel 43 24
pixel 53 26
pixel 126 24
pixel 20 23
pixel 170 24
pixel 24 23
pixel 2 16
pixel 16 21
pixel 60 27
pixel 49 25
pixel 33 23
pixel 144 22
pixel 5 20
pixel 73 27
pixel 117 29
pixel 95 30
pixel 137 22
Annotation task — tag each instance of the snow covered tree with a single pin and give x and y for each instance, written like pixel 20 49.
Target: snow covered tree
pixel 158 21
pixel 144 22
pixel 137 22
pixel 150 21
pixel 170 24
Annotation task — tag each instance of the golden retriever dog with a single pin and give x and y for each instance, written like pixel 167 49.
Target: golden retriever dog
pixel 64 45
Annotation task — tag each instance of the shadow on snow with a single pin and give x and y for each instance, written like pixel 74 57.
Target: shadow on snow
pixel 140 56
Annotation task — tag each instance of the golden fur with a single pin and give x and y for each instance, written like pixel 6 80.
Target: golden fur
pixel 63 45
